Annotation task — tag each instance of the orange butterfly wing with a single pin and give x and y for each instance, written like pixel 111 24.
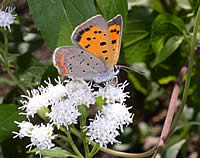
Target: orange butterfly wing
pixel 94 37
pixel 115 28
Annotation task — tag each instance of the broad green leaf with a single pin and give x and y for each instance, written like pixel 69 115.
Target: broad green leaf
pixel 30 69
pixel 8 114
pixel 164 27
pixel 57 153
pixel 57 19
pixel 110 8
pixel 173 151
pixel 137 52
pixel 138 24
pixel 171 45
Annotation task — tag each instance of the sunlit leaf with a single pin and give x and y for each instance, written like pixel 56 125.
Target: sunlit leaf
pixel 57 19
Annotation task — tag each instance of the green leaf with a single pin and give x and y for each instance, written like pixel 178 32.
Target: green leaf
pixel 51 73
pixel 165 26
pixel 173 151
pixel 137 52
pixel 138 23
pixel 166 80
pixel 8 114
pixel 57 153
pixel 171 45
pixel 191 123
pixel 84 110
pixel 138 84
pixel 110 8
pixel 30 69
pixel 56 19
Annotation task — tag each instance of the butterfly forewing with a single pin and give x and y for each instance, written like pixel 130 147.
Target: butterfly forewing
pixel 115 28
pixel 94 37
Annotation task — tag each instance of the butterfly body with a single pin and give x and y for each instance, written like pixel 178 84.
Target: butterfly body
pixel 96 52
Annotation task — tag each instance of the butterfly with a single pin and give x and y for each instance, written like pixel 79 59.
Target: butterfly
pixel 96 51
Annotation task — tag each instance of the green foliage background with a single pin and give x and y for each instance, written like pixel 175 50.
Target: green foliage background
pixel 156 41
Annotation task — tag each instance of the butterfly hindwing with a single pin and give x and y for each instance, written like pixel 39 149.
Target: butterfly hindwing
pixel 75 62
pixel 94 37
pixel 115 28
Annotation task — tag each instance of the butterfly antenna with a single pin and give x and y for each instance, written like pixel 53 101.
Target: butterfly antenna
pixel 128 69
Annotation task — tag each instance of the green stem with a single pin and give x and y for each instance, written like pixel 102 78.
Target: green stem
pixel 83 136
pixel 95 149
pixel 187 83
pixel 117 153
pixel 73 145
pixel 5 52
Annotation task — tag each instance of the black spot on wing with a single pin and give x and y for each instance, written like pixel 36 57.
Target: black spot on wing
pixel 113 41
pixel 104 51
pixel 103 43
pixel 87 46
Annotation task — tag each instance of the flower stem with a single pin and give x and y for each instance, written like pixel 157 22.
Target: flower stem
pixel 83 136
pixel 117 153
pixel 95 149
pixel 4 53
pixel 187 83
pixel 73 144
pixel 70 140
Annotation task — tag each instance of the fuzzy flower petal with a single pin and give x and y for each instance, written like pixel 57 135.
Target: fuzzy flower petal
pixel 42 97
pixel 80 93
pixel 102 131
pixel 41 137
pixel 113 93
pixel 25 129
pixel 64 113
pixel 7 18
pixel 118 114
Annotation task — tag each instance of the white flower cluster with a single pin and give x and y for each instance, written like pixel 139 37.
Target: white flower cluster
pixel 41 136
pixel 7 18
pixel 114 114
pixel 63 100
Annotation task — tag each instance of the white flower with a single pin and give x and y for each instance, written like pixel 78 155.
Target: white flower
pixel 54 93
pixel 41 136
pixel 34 102
pixel 25 129
pixel 42 97
pixel 118 114
pixel 64 113
pixel 7 18
pixel 80 93
pixel 113 93
pixel 102 131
